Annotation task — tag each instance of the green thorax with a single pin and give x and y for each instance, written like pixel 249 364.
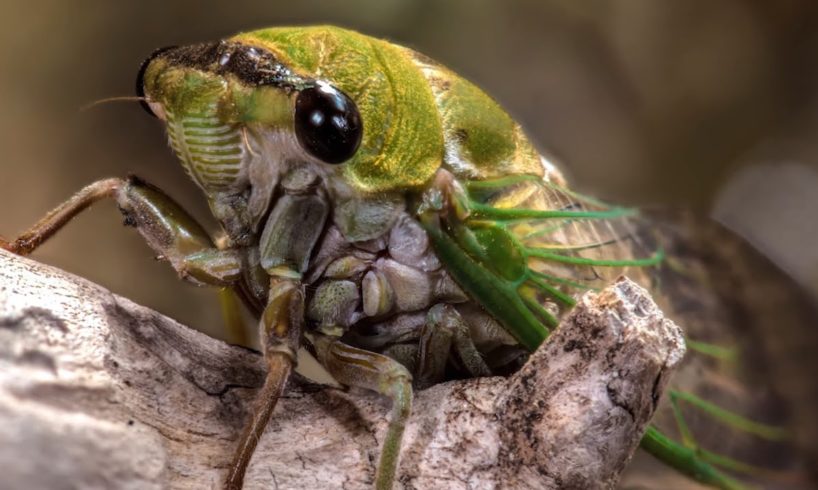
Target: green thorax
pixel 417 114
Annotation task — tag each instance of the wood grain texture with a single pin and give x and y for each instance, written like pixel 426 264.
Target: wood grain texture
pixel 98 392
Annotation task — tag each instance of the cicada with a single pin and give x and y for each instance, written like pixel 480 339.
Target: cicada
pixel 389 217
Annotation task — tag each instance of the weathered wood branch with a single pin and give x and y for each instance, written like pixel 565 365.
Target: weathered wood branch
pixel 98 392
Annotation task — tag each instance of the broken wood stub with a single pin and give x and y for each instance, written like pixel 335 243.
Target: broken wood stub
pixel 590 391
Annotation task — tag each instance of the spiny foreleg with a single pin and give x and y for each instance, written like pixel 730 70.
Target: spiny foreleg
pixel 168 229
pixel 280 332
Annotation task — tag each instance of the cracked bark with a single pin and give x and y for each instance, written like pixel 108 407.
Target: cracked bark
pixel 98 392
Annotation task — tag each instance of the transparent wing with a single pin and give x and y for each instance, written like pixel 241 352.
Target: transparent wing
pixel 570 242
pixel 526 248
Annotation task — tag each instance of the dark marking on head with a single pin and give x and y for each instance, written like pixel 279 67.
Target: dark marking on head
pixel 140 77
pixel 461 135
pixel 251 65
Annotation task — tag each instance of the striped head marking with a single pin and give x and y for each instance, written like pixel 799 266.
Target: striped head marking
pixel 356 106
pixel 220 100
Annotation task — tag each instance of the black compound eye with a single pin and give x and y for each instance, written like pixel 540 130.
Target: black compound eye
pixel 140 77
pixel 327 123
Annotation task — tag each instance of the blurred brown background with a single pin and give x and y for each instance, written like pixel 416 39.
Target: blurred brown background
pixel 699 103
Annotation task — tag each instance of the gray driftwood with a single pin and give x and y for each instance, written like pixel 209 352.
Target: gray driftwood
pixel 98 392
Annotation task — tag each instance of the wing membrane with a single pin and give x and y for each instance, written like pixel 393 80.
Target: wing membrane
pixel 526 248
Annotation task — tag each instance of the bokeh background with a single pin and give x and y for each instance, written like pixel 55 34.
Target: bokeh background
pixel 708 104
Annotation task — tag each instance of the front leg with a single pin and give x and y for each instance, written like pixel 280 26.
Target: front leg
pixel 167 228
pixel 280 329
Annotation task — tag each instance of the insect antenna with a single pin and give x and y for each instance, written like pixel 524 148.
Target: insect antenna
pixel 106 100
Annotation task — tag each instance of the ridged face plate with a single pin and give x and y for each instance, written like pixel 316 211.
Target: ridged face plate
pixel 210 150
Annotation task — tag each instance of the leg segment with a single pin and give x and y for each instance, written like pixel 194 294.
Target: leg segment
pixel 280 330
pixel 167 228
pixel 406 354
pixel 357 367
pixel 232 316
pixel 62 214
pixel 445 329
